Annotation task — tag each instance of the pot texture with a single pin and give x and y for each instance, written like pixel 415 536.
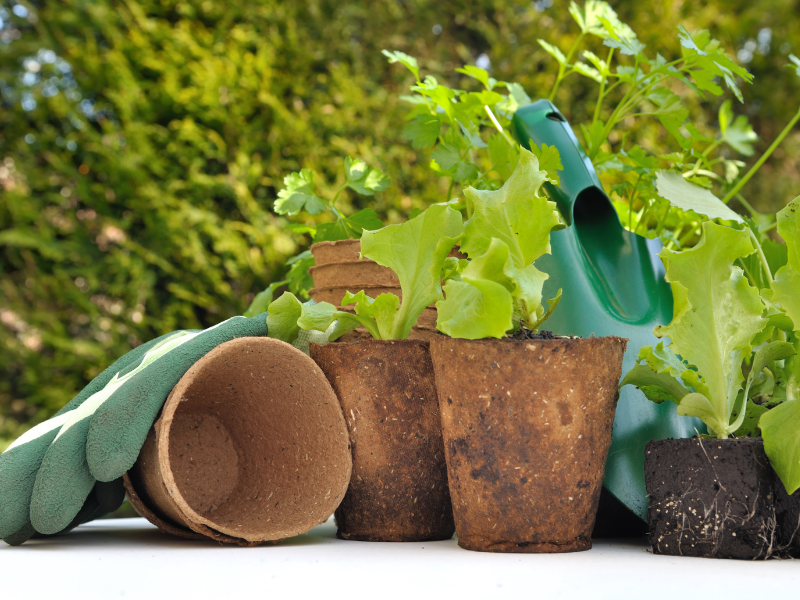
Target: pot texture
pixel 526 426
pixel 711 498
pixel 251 446
pixel 398 491
pixel 333 252
pixel 355 273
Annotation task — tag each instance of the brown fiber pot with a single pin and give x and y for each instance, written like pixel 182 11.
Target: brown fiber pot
pixel 333 252
pixel 526 426
pixel 398 491
pixel 354 273
pixel 251 446
pixel 335 294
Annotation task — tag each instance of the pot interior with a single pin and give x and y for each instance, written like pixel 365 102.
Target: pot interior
pixel 257 445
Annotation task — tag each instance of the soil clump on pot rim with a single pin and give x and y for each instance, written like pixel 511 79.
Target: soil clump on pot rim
pixel 527 427
pixel 528 334
pixel 251 446
pixel 711 498
pixel 398 491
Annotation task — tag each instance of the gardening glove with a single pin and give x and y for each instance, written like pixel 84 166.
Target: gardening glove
pixel 68 470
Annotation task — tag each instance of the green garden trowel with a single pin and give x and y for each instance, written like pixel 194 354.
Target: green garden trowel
pixel 613 284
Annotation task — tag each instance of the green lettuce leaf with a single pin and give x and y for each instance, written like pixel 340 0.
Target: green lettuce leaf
pixel 658 387
pixel 716 315
pixel 381 310
pixel 687 196
pixel 416 251
pixel 262 300
pixel 780 428
pixel 480 304
pixel 510 226
pixel 786 286
pixel 282 317
pixel 298 323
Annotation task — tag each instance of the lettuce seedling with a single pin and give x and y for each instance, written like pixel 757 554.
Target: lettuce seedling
pixel 415 250
pixel 499 289
pixel 721 322
pixel 717 313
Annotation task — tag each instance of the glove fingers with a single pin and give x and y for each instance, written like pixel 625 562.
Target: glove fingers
pixel 120 426
pixel 18 468
pixel 90 511
pixel 99 382
pixel 20 537
pixel 20 463
pixel 63 482
pixel 110 495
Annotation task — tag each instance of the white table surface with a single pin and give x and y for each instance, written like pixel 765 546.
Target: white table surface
pixel 129 558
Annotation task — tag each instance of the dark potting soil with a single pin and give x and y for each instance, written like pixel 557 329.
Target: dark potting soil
pixel 711 498
pixel 528 334
pixel 787 509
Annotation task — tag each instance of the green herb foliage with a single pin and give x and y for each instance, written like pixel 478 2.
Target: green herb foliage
pixel 299 196
pixel 634 84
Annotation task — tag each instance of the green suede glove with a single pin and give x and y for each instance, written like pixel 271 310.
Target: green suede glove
pixel 68 470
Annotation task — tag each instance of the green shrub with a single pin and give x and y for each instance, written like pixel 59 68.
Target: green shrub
pixel 135 197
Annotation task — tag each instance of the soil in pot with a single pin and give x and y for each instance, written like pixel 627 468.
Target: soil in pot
pixel 526 426
pixel 251 446
pixel 712 498
pixel 787 512
pixel 398 491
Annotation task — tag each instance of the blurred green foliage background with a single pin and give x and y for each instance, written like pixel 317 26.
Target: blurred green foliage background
pixel 142 144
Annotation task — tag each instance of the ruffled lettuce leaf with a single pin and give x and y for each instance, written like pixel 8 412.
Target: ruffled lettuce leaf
pixel 786 286
pixel 716 315
pixel 416 251
pixel 508 230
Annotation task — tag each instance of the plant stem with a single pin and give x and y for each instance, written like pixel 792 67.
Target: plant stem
pixel 336 197
pixel 660 225
pixel 761 256
pixel 498 126
pixel 450 189
pixel 602 88
pixel 695 230
pixel 763 158
pixel 563 67
pixel 753 212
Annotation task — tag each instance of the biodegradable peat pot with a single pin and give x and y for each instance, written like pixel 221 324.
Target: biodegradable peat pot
pixel 335 294
pixel 353 273
pixel 712 498
pixel 526 426
pixel 251 446
pixel 398 491
pixel 333 252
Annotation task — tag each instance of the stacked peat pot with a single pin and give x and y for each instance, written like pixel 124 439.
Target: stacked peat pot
pixel 339 268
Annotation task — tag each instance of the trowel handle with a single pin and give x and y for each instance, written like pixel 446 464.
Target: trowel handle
pixel 543 123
